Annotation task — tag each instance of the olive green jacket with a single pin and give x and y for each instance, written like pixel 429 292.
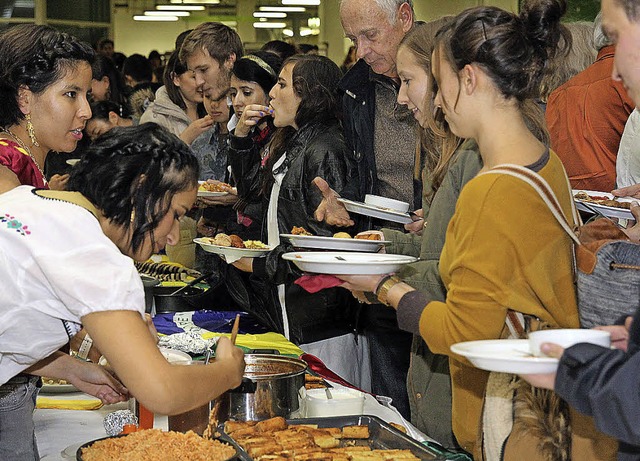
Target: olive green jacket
pixel 428 380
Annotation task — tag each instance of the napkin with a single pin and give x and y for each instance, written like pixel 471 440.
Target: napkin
pixel 315 283
pixel 68 404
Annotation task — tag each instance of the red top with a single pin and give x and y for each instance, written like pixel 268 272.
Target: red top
pixel 18 160
pixel 586 118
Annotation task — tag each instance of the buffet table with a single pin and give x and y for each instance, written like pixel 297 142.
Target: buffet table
pixel 61 432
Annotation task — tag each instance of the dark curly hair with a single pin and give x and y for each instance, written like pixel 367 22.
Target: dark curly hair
pixel 513 50
pixel 35 57
pixel 134 172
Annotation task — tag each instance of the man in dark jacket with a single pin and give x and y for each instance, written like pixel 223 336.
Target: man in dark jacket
pixel 381 136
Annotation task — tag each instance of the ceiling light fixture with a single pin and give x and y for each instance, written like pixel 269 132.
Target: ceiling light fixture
pixel 167 13
pixel 206 2
pixel 284 9
pixel 269 25
pixel 269 14
pixel 180 7
pixel 301 2
pixel 155 18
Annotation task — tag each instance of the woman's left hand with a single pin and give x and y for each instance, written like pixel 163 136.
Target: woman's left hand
pixel 545 380
pixel 366 283
pixel 58 181
pixel 97 381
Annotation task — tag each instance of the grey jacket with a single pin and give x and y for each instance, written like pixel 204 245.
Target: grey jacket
pixel 165 113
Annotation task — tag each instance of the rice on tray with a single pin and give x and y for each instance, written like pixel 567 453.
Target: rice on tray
pixel 155 444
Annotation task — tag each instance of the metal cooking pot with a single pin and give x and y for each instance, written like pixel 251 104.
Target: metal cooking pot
pixel 189 299
pixel 269 388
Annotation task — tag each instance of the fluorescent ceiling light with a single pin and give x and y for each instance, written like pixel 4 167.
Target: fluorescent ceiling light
pixel 287 32
pixel 167 13
pixel 207 2
pixel 180 8
pixel 284 9
pixel 301 2
pixel 155 18
pixel 305 32
pixel 269 14
pixel 269 25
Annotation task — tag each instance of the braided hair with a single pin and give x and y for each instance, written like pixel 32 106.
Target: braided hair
pixel 131 174
pixel 35 57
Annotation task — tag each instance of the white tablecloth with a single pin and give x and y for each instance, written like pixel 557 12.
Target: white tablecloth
pixel 61 432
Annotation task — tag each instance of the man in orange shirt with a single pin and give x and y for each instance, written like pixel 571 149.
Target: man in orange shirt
pixel 586 118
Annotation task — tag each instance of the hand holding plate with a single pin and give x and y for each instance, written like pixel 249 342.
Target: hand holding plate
pixel 545 380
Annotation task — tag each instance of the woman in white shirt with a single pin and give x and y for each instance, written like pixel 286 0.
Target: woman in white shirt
pixel 70 256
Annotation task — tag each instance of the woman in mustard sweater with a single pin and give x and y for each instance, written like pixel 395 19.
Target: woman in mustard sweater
pixel 503 249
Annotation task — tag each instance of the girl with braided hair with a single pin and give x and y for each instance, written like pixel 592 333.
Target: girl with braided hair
pixel 45 79
pixel 66 262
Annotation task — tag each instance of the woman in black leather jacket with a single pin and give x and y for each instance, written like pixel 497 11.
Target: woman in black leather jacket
pixel 308 142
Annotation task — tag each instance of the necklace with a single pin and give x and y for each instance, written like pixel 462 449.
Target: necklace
pixel 27 150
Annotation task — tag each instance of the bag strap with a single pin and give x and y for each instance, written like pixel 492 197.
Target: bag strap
pixel 541 186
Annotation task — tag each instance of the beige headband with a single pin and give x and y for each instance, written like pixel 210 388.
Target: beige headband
pixel 259 61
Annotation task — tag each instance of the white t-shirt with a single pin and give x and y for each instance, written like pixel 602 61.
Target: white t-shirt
pixel 628 160
pixel 56 266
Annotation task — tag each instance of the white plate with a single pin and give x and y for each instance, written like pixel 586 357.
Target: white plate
pixel 505 356
pixel 609 211
pixel 72 161
pixel 345 263
pixel 232 252
pixel 58 388
pixel 375 211
pixel 332 243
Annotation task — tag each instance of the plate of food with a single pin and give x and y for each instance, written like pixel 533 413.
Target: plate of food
pixel 233 247
pixel 597 202
pixel 505 356
pixel 367 243
pixel 56 386
pixel 217 189
pixel 375 211
pixel 347 263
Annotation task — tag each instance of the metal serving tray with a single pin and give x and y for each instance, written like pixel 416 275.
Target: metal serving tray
pixel 381 435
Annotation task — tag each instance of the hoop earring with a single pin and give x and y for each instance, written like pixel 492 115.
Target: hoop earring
pixel 31 131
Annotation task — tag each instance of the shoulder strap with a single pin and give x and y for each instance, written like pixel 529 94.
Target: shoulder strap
pixel 540 185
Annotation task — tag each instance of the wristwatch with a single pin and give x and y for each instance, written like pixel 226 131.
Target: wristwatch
pixel 85 347
pixel 384 286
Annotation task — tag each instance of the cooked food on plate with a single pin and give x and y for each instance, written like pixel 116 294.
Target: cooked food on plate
pixel 235 241
pixel 601 200
pixel 300 231
pixel 154 444
pixel 52 381
pixel 368 237
pixel 341 235
pixel 215 187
